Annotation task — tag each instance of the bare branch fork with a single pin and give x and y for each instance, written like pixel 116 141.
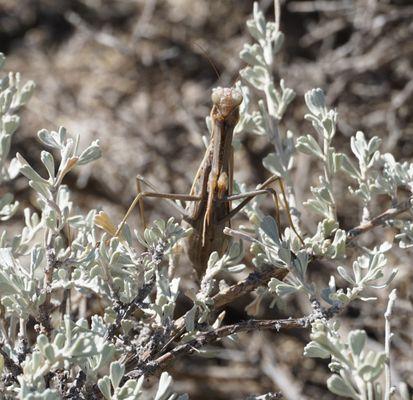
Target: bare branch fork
pixel 250 283
pixel 151 367
pixel 126 310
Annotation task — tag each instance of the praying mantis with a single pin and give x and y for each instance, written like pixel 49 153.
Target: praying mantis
pixel 208 210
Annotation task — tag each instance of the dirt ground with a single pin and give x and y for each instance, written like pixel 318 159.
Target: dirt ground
pixel 137 75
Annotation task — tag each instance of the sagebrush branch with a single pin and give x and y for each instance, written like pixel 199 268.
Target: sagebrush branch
pixel 14 368
pixel 261 278
pixel 152 366
pixel 127 309
pixel 251 282
pixel 45 308
pixel 205 338
pixel 380 219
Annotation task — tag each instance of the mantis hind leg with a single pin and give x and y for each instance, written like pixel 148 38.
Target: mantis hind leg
pixel 288 209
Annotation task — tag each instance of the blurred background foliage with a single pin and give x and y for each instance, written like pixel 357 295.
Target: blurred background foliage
pixel 137 75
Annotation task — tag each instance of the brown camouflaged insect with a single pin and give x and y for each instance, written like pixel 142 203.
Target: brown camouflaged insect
pixel 209 202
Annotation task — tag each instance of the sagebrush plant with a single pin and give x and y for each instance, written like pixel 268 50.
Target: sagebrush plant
pixel 51 349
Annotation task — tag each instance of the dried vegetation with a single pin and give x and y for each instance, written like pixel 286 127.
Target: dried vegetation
pixel 135 75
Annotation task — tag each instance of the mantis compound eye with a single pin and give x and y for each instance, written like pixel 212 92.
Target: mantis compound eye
pixel 217 94
pixel 236 97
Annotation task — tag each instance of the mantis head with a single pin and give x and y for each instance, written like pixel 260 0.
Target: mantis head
pixel 225 100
